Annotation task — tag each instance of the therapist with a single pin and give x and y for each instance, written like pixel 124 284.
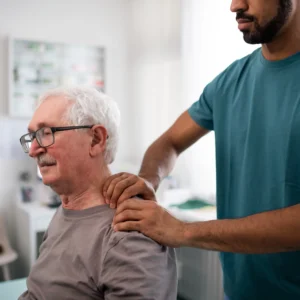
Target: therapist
pixel 254 109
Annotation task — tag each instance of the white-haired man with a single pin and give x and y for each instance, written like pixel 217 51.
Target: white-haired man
pixel 73 136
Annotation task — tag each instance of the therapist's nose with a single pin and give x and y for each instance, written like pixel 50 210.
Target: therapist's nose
pixel 239 5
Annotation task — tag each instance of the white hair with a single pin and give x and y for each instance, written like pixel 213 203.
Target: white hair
pixel 91 107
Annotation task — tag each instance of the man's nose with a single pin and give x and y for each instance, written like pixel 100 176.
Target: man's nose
pixel 35 149
pixel 238 5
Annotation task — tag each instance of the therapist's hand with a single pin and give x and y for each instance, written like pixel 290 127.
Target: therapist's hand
pixel 151 219
pixel 122 186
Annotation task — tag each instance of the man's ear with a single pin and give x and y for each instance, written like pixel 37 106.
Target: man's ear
pixel 99 137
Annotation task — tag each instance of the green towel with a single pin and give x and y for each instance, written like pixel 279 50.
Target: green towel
pixel 193 204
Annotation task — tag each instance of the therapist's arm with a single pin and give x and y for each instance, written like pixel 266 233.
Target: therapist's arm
pixel 157 163
pixel 267 232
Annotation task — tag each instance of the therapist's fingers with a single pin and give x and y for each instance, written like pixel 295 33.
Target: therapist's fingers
pixel 123 186
pixel 135 210
pixel 117 187
pixel 132 192
pixel 124 189
pixel 107 183
pixel 128 214
pixel 131 204
pixel 110 183
pixel 150 219
pixel 128 226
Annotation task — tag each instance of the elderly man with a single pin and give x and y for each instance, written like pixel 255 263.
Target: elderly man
pixel 73 136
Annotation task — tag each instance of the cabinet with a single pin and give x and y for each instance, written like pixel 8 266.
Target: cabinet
pixel 36 66
pixel 200 274
pixel 33 220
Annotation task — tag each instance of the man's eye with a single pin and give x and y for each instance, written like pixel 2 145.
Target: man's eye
pixel 47 132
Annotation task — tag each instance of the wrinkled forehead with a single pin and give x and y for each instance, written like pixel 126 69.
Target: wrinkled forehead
pixel 50 113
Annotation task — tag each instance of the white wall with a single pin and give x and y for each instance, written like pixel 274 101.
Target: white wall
pixel 154 59
pixel 155 70
pixel 92 22
pixel 210 42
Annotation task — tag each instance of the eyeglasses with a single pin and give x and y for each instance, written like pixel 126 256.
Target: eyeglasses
pixel 45 136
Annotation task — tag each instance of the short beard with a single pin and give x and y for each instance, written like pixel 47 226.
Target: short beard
pixel 266 34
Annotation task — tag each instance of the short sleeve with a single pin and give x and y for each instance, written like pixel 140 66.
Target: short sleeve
pixel 202 110
pixel 138 268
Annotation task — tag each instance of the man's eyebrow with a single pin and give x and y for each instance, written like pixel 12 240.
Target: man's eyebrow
pixel 38 126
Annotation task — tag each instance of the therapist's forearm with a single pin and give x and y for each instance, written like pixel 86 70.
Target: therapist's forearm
pixel 157 164
pixel 267 232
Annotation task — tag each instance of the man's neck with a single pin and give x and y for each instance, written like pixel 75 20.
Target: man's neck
pixel 285 45
pixel 86 195
pixel 83 200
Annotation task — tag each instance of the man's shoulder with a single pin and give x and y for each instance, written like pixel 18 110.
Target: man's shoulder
pixel 131 238
pixel 148 267
pixel 134 242
pixel 238 63
pixel 236 69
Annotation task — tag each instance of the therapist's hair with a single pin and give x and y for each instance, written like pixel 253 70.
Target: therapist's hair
pixel 91 107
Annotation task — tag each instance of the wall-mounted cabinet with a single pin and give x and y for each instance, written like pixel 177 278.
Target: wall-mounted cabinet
pixel 36 66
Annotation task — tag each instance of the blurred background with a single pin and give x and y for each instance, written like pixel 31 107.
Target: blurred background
pixel 154 57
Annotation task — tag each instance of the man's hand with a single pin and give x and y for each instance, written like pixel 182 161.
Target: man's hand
pixel 122 186
pixel 151 219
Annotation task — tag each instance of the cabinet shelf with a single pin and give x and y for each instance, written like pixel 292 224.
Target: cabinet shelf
pixel 36 66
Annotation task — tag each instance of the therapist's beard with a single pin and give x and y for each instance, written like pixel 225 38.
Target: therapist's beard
pixel 266 34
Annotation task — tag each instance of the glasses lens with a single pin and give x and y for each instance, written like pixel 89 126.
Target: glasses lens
pixel 26 142
pixel 45 136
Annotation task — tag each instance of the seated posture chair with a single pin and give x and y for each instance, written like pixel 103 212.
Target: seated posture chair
pixel 7 254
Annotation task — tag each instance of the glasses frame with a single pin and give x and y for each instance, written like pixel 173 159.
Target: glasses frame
pixel 33 135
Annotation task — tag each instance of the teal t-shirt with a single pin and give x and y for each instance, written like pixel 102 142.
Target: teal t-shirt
pixel 254 109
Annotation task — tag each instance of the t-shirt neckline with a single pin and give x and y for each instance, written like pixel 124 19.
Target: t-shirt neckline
pixel 279 63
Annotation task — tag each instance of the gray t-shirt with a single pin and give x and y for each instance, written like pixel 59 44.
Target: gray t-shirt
pixel 81 258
